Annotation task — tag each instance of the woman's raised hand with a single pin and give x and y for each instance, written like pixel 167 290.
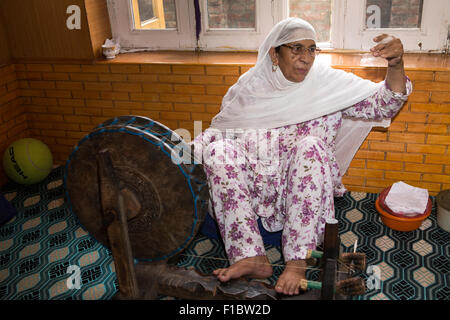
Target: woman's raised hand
pixel 388 47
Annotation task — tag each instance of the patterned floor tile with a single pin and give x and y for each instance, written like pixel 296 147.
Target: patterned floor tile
pixel 58 254
pixel 380 296
pixel 403 259
pixel 348 239
pixel 94 293
pixel 354 215
pixel 57 227
pixel 29 250
pixel 403 290
pixel 4 274
pixel 274 255
pixel 45 238
pixel 58 288
pixel 386 271
pixel 27 282
pixel 427 223
pixel 32 223
pixel 358 195
pixel 384 243
pixel 422 247
pixel 424 277
pixel 31 200
pixel 10 196
pixel 88 258
pixel 202 247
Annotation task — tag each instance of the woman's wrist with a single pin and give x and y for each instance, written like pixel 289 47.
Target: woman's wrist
pixel 395 77
pixel 396 65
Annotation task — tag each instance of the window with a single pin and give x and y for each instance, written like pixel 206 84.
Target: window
pixel 152 24
pixel 243 24
pixel 150 14
pixel 393 13
pixel 352 24
pixel 316 12
pixel 235 24
pixel 231 14
pixel 421 24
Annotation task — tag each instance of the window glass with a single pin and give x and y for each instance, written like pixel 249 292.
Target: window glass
pixel 316 12
pixel 393 13
pixel 231 14
pixel 170 14
pixel 146 10
pixel 154 14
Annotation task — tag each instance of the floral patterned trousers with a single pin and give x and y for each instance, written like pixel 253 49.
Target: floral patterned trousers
pixel 297 199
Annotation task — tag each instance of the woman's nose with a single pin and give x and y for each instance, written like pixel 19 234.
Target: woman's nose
pixel 306 58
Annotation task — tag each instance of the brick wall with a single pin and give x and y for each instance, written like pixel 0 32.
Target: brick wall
pixel 406 14
pixel 170 15
pixel 316 12
pixel 231 14
pixel 399 13
pixel 415 148
pixel 63 102
pixel 13 120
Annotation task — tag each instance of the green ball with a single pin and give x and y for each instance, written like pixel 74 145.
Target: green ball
pixel 27 161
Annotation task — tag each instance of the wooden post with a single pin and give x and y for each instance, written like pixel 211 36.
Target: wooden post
pixel 115 221
pixel 331 248
pixel 331 241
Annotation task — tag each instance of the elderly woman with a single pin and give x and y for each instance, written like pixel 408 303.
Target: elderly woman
pixel 279 146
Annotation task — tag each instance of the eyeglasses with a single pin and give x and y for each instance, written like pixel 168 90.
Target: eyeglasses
pixel 300 50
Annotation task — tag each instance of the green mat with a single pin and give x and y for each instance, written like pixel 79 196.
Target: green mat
pixel 44 246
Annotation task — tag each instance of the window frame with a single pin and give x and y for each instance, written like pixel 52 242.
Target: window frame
pixel 354 35
pixel 130 39
pixel 153 23
pixel 222 39
pixel 347 32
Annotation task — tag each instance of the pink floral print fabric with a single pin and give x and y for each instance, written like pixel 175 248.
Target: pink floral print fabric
pixel 290 185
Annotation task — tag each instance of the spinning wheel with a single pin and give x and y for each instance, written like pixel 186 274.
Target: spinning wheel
pixel 137 188
pixel 165 202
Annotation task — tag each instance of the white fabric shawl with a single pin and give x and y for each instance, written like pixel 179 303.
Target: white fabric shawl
pixel 262 99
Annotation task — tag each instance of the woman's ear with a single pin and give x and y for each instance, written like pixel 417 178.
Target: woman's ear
pixel 273 56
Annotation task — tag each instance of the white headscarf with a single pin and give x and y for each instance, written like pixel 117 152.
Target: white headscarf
pixel 263 99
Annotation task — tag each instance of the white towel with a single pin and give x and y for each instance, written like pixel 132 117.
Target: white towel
pixel 407 200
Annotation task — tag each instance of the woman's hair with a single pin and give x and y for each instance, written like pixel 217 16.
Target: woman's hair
pixel 277 49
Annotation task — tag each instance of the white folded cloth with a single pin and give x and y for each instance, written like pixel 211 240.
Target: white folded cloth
pixel 407 200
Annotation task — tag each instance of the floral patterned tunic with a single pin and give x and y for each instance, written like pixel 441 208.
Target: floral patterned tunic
pixel 290 185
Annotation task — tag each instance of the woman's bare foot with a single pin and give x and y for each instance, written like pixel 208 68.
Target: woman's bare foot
pixel 289 281
pixel 254 267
